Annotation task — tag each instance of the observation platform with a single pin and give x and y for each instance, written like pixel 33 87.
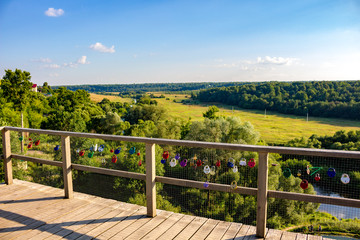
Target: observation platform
pixel 33 211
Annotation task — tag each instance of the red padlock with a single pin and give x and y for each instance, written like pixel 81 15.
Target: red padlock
pixel 251 163
pixel 30 139
pixel 111 150
pixel 37 143
pixel 81 153
pixel 114 159
pixel 317 177
pixel 218 163
pixel 138 153
pixel 140 163
pixel 198 163
pixel 166 155
pixel 30 145
pixel 304 184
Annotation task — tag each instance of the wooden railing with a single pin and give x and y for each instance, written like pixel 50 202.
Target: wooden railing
pixel 150 177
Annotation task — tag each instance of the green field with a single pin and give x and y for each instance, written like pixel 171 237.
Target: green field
pixel 274 128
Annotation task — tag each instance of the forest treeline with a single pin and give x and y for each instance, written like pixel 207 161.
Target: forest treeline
pixel 338 99
pixel 150 87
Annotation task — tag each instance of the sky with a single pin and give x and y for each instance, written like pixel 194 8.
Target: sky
pixel 71 42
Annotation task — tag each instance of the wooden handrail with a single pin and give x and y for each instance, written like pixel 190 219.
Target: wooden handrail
pixel 198 144
pixel 261 191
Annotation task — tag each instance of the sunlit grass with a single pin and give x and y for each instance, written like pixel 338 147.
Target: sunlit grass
pixel 98 97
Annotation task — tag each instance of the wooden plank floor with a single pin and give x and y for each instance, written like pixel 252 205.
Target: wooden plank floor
pixel 34 211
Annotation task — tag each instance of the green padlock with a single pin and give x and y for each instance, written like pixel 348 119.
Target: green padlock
pixel 287 172
pixel 90 154
pixel 21 138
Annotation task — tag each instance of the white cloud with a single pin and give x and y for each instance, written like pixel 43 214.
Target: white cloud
pixel 42 60
pixel 101 48
pixel 52 66
pixel 52 12
pixel 82 60
pixel 276 60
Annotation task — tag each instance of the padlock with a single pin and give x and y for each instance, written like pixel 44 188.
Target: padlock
pixel 114 159
pixel 304 184
pixel 166 155
pixel 132 150
pixel 138 153
pixel 206 184
pixel 139 163
pixel 287 172
pixel 198 163
pixel 299 173
pixel 117 151
pixel 231 163
pixel 233 185
pixel 21 138
pixel 101 148
pixel 242 162
pixel 307 169
pixel 345 179
pixel 111 150
pixel 177 156
pixel 207 169
pixel 331 172
pixel 90 154
pixel 57 147
pixel 218 163
pixel 317 177
pixel 183 163
pixel 173 162
pixel 251 163
pixel 30 145
pixel 81 153
pixel 235 169
pixel 212 170
pixel 163 161
pixel 37 143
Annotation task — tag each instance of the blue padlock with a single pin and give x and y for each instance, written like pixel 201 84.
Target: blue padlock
pixel 331 172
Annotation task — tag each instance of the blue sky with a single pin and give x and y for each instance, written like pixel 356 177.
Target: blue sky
pixel 93 42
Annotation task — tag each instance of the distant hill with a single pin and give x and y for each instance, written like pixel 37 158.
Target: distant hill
pixel 152 87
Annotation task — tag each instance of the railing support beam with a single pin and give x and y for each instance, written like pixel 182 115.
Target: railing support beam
pixel 261 213
pixel 150 180
pixel 7 156
pixel 66 164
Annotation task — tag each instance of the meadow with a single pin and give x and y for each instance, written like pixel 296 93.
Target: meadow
pixel 274 128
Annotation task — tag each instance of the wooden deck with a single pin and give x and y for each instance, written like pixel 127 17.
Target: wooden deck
pixel 34 211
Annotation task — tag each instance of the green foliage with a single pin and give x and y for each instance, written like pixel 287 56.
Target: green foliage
pixel 211 112
pixel 339 99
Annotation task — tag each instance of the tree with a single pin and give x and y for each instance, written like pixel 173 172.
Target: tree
pixel 211 112
pixel 16 87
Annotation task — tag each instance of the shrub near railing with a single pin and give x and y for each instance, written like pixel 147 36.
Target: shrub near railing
pixel 220 187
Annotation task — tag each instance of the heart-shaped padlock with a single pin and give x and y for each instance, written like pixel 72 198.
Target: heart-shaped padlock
pixel 317 177
pixel 56 148
pixel 163 161
pixel 198 163
pixel 251 163
pixel 37 143
pixel 345 179
pixel 287 172
pixel 207 169
pixel 331 172
pixel 114 159
pixel 165 155
pixel 218 163
pixel 183 163
pixel 304 184
pixel 242 162
pixel 173 162
pixel 21 138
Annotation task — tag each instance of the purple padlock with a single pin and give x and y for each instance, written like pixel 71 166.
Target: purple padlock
pixel 183 163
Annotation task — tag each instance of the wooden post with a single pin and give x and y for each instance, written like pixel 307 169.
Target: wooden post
pixel 22 133
pixel 66 164
pixel 7 156
pixel 261 213
pixel 150 180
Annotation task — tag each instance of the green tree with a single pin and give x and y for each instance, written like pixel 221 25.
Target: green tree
pixel 211 112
